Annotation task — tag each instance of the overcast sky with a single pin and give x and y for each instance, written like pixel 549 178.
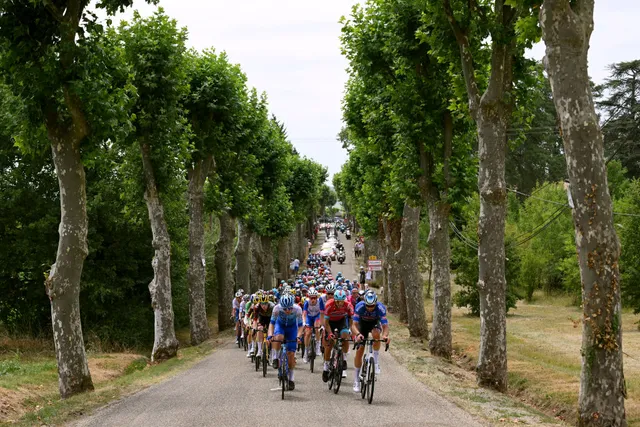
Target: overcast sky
pixel 291 50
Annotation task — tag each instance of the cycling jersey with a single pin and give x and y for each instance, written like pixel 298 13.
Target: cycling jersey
pixel 334 313
pixel 313 309
pixel 294 318
pixel 260 313
pixel 364 315
pixel 235 305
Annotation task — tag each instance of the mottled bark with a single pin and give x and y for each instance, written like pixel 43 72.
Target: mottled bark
pixel 224 246
pixel 491 113
pixel 283 257
pixel 196 274
pixel 398 297
pixel 387 263
pixel 165 344
pixel 267 250
pixel 301 250
pixel 567 29
pixel 440 343
pixel 63 282
pixel 257 262
pixel 243 259
pixel 410 273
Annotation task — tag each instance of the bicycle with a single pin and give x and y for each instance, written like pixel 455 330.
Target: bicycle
pixel 336 363
pixel 368 371
pixel 283 366
pixel 263 358
pixel 311 351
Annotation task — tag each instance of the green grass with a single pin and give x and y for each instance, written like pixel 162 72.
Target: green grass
pixel 18 371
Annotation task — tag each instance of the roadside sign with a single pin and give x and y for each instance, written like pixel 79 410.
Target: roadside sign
pixel 373 258
pixel 374 265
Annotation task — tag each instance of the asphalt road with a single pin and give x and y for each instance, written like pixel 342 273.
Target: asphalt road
pixel 225 390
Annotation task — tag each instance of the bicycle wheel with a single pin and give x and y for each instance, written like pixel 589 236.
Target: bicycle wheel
pixel 332 371
pixel 257 361
pixel 264 361
pixel 338 373
pixel 371 379
pixel 363 384
pixel 245 345
pixel 285 376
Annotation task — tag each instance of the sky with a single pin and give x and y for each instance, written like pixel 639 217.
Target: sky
pixel 290 49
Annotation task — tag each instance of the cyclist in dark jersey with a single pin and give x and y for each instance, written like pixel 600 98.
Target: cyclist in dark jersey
pixel 370 317
pixel 261 317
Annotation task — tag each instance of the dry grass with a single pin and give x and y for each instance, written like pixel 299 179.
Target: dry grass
pixel 544 340
pixel 29 379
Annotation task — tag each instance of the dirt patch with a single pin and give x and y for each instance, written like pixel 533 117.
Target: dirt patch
pixel 11 406
pixel 110 366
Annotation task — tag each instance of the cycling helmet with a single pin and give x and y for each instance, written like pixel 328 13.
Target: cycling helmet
pixel 340 295
pixel 238 294
pixel 321 287
pixel 361 292
pixel 246 297
pixel 331 288
pixel 312 292
pixel 287 301
pixel 370 298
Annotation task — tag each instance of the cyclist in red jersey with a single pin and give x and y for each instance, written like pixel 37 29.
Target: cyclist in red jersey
pixel 337 315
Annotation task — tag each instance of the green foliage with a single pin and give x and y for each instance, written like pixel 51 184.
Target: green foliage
pixel 464 259
pixel 619 101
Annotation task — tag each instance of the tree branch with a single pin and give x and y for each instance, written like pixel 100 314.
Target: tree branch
pixel 53 9
pixel 466 59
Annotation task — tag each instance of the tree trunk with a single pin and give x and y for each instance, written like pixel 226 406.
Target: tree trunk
pixel 566 31
pixel 283 258
pixel 257 264
pixel 491 113
pixel 165 345
pixel 267 250
pixel 223 270
pixel 197 272
pixel 410 273
pixel 63 282
pixel 383 274
pixel 399 297
pixel 302 241
pixel 387 265
pixel 243 258
pixel 440 343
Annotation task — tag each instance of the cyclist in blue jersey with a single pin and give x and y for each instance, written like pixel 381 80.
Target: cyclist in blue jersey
pixel 312 312
pixel 370 316
pixel 286 325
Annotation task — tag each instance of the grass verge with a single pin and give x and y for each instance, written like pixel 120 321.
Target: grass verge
pixel 29 383
pixel 458 384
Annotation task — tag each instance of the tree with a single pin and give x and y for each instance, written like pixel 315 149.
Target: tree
pixel 54 58
pixel 566 29
pixel 215 105
pixel 471 23
pixel 155 50
pixel 619 101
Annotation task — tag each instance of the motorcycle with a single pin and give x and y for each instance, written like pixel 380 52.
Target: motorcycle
pixel 348 234
pixel 341 257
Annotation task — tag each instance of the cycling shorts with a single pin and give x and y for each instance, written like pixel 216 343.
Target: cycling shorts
pixel 264 321
pixel 340 325
pixel 311 320
pixel 366 327
pixel 290 334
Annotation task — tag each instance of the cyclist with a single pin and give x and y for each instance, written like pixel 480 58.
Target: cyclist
pixel 247 310
pixel 262 312
pixel 312 311
pixel 235 305
pixel 286 325
pixel 337 315
pixel 370 316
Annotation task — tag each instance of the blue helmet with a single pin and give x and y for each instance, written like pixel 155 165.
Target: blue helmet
pixel 340 295
pixel 287 301
pixel 370 298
